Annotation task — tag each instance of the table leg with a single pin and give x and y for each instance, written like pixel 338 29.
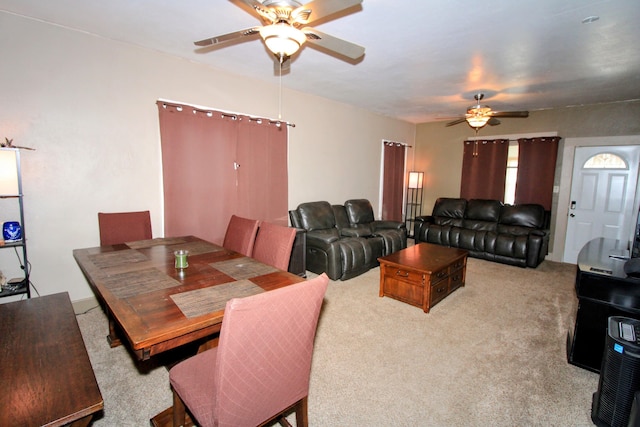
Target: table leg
pixel 113 339
pixel 165 419
pixel 207 345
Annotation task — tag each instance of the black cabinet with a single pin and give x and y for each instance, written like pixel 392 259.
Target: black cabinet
pixel 603 290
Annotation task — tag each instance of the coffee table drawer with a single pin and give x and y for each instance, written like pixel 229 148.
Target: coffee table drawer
pixel 456 279
pixel 439 275
pixel 411 276
pixel 438 292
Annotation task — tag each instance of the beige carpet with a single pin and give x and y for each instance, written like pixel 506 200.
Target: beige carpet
pixel 491 354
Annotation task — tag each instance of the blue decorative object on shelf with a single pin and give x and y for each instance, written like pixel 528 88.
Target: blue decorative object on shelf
pixel 11 231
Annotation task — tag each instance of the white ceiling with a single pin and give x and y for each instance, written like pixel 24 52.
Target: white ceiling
pixel 424 59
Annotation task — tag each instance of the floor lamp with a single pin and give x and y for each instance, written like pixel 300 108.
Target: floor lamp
pixel 414 200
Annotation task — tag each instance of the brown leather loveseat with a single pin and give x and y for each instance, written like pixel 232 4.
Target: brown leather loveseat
pixel 488 229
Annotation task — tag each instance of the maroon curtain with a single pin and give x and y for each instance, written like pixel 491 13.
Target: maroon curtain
pixel 215 165
pixel 393 181
pixel 484 169
pixel 262 171
pixel 536 170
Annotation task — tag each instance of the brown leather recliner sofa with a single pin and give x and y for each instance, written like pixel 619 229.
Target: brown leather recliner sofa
pixel 345 241
pixel 488 229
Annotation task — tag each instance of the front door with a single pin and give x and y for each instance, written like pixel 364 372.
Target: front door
pixel 602 202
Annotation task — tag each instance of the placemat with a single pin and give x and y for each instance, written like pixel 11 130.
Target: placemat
pixel 243 268
pixel 134 283
pixel 116 258
pixel 208 300
pixel 155 242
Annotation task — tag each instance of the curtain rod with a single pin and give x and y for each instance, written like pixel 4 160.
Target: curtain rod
pixel 232 116
pixel 390 143
pixel 510 139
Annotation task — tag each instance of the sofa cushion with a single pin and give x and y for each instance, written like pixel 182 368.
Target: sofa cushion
pixel 451 208
pixel 482 215
pixel 359 211
pixel 449 212
pixel 316 216
pixel 526 215
pixel 483 210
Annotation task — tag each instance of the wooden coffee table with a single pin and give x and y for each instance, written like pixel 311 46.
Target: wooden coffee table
pixel 423 274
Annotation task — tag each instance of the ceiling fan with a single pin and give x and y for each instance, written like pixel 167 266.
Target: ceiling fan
pixel 478 116
pixel 285 27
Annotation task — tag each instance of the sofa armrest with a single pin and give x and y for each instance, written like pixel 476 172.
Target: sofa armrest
pixel 322 239
pixel 537 247
pixel 387 224
pixel 355 232
pixel 425 218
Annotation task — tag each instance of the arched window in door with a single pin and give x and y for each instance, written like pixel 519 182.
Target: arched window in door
pixel 606 161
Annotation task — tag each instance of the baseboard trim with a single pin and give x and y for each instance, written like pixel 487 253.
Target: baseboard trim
pixel 81 306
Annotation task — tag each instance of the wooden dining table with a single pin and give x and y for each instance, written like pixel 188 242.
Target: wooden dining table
pixel 157 307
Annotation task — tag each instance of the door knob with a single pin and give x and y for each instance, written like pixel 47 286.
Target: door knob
pixel 572 215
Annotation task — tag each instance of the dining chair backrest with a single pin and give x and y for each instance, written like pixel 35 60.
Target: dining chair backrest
pixel 262 364
pixel 241 235
pixel 121 227
pixel 273 245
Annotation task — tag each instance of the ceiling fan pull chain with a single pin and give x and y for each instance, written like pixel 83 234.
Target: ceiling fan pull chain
pixel 281 60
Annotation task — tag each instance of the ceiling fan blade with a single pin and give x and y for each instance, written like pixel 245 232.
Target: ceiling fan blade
pixel 342 47
pixel 236 35
pixel 493 121
pixel 456 122
pixel 320 9
pixel 254 7
pixel 510 113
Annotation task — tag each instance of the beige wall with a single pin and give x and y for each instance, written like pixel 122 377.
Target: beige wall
pixel 439 149
pixel 87 105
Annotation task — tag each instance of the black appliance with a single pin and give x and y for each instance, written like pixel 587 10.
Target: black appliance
pixel 619 374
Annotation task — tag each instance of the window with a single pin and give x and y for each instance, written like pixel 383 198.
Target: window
pixel 512 174
pixel 605 161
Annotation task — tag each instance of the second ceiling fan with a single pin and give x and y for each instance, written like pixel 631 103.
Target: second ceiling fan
pixel 478 115
pixel 285 27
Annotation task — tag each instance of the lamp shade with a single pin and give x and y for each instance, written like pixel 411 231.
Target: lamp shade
pixel 9 184
pixel 282 39
pixel 415 179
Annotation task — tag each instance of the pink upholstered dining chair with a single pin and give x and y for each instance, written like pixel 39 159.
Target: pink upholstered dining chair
pixel 120 227
pixel 241 235
pixel 260 370
pixel 273 245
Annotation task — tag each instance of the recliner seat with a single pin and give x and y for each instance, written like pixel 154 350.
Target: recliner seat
pixel 341 248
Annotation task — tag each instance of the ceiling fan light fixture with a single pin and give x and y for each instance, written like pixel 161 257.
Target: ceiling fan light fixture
pixel 478 115
pixel 282 39
pixel 477 121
